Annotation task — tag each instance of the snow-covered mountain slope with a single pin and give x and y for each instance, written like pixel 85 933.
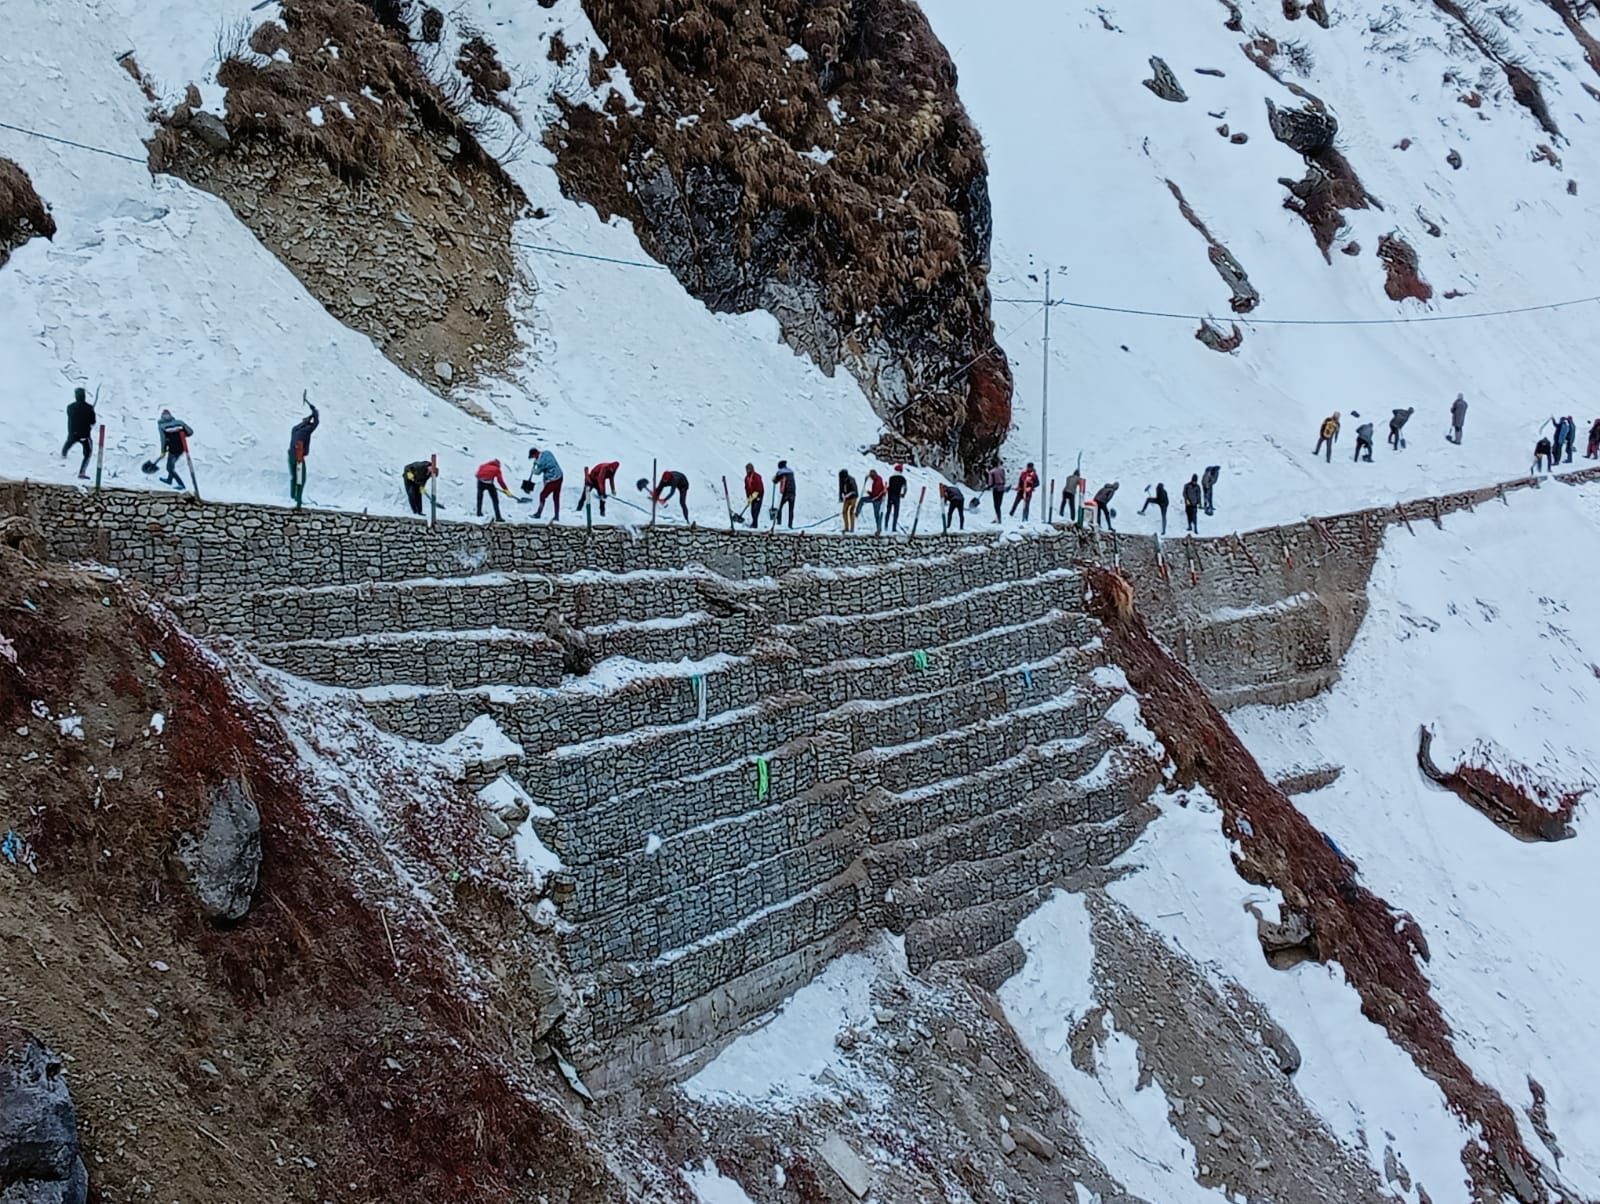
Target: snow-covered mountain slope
pixel 1079 159
pixel 156 294
pixel 1486 631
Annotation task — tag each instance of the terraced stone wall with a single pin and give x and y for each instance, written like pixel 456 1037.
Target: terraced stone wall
pixel 1263 616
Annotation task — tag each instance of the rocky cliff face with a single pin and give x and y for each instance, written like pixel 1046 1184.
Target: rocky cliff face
pixel 813 161
pixel 22 214
pixel 356 168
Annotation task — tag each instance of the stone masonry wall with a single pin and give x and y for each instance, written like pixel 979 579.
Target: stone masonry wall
pixel 900 734
pixel 1261 616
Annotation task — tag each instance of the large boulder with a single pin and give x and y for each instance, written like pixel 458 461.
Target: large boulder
pixel 39 1157
pixel 224 862
pixel 1309 130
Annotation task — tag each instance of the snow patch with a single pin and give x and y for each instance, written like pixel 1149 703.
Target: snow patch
pixel 792 1057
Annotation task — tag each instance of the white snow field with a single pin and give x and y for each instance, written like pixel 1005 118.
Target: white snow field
pixel 1079 155
pixel 154 292
pixel 156 295
pixel 1487 631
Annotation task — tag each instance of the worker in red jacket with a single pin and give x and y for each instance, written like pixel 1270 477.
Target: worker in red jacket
pixel 876 490
pixel 755 492
pixel 489 476
pixel 1026 484
pixel 602 480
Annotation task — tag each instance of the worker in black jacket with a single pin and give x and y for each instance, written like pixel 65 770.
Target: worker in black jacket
pixel 80 425
pixel 417 474
pixel 1159 500
pixel 299 449
pixel 1103 514
pixel 1191 506
pixel 897 491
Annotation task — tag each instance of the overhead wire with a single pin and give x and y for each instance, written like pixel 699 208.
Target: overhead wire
pixel 1127 311
pixel 1246 320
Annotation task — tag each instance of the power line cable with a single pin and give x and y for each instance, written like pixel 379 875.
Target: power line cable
pixel 1128 311
pixel 84 146
pixel 1245 320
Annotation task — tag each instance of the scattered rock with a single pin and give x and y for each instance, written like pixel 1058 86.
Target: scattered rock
pixel 497 827
pixel 444 371
pixel 1035 1142
pixel 847 1164
pixel 576 656
pixel 956 1038
pixel 1280 1045
pixel 1213 1125
pixel 1209 71
pixel 1308 130
pixel 19 534
pixel 224 863
pixel 40 1162
pixel 1349 248
pixel 1240 138
pixel 208 127
pixel 1323 775
pixel 1165 84
pixel 1214 337
pixel 1008 1144
pixel 1454 159
pixel 1289 941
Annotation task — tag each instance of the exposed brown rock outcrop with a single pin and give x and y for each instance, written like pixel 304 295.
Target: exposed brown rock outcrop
pixel 1506 804
pixel 360 173
pixel 1403 272
pixel 1330 184
pixel 814 161
pixel 23 215
pixel 1245 297
pixel 1379 949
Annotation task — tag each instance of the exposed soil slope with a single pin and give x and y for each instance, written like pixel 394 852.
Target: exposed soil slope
pixel 357 170
pixel 335 1044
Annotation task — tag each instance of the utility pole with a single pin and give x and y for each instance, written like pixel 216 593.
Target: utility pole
pixel 1044 409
